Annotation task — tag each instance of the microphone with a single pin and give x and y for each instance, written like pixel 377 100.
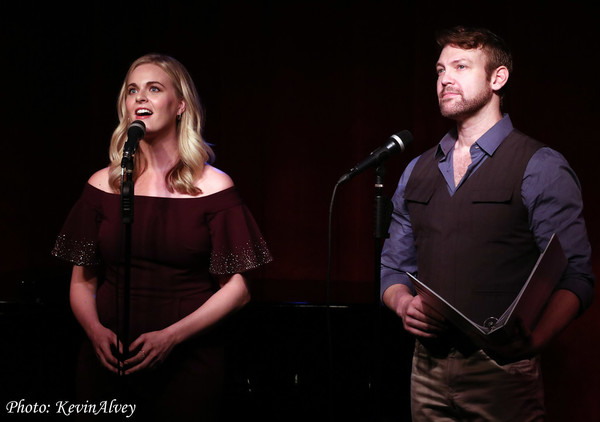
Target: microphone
pixel 397 143
pixel 135 132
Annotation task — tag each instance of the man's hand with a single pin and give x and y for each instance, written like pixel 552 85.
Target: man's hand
pixel 521 345
pixel 417 318
pixel 562 308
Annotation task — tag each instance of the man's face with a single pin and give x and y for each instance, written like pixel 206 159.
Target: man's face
pixel 463 87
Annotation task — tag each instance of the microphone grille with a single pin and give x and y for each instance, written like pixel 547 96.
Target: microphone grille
pixel 404 139
pixel 137 127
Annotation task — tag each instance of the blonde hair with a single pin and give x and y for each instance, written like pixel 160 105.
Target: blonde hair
pixel 194 152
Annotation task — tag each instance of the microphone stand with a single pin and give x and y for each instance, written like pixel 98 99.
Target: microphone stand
pixel 383 214
pixel 127 196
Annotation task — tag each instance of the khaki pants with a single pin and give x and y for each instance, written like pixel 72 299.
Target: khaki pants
pixel 475 388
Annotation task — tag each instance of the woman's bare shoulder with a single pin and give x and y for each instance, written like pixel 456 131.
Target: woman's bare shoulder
pixel 214 180
pixel 99 180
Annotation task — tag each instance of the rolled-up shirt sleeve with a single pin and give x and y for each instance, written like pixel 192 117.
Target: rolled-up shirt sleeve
pixel 552 194
pixel 399 255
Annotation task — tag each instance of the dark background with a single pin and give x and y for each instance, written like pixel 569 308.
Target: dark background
pixel 295 93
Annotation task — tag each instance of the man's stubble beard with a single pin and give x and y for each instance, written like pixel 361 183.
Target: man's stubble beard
pixel 465 107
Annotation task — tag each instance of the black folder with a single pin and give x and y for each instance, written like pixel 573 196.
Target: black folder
pixel 526 308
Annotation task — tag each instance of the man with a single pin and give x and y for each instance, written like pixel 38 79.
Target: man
pixel 471 216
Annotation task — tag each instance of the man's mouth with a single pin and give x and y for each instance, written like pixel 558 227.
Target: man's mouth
pixel 449 94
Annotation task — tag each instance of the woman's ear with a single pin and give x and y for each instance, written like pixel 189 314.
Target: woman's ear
pixel 181 108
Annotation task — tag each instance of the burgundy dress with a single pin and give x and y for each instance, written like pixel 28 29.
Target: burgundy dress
pixel 177 245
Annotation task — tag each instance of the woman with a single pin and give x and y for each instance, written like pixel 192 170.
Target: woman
pixel 192 239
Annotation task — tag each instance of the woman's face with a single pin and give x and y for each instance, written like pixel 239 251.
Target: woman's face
pixel 152 98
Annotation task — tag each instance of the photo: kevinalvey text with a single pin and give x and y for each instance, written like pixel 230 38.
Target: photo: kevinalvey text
pixel 67 408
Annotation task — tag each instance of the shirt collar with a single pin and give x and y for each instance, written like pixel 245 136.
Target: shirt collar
pixel 488 142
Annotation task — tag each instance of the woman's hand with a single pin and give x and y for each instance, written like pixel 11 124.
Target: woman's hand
pixel 152 349
pixel 105 345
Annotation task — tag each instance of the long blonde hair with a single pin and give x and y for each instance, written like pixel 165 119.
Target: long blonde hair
pixel 194 152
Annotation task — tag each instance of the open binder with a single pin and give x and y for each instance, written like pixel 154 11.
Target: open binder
pixel 527 306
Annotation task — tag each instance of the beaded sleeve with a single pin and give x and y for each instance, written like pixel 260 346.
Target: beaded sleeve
pixel 77 241
pixel 237 243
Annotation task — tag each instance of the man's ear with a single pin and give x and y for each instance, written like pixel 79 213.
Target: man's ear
pixel 499 78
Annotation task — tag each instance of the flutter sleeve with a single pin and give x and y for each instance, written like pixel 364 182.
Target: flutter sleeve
pixel 237 242
pixel 77 241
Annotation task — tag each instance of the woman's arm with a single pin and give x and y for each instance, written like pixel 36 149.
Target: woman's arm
pixel 154 347
pixel 84 283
